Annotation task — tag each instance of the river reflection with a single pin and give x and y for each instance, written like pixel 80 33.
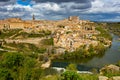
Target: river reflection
pixel 79 61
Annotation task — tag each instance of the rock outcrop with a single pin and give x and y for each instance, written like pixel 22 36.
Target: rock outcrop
pixel 103 78
pixel 112 68
pixel 116 78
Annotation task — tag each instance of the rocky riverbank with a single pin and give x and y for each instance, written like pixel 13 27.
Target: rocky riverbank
pixel 110 72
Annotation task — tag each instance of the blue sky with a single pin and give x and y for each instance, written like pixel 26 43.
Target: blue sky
pixel 94 10
pixel 24 2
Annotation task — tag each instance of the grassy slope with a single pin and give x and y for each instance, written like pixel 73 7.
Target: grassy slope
pixel 114 27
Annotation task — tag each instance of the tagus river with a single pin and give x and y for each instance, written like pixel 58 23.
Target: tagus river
pixel 111 56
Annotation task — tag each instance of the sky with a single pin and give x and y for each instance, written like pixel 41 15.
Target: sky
pixel 94 10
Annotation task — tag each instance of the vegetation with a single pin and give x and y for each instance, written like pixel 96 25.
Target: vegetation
pixel 110 73
pixel 19 32
pixel 72 67
pixel 24 64
pixel 103 34
pixel 7 33
pixel 52 77
pixel 118 64
pixel 25 47
pixel 71 74
pixel 18 66
pixel 114 27
pixel 40 34
pixel 85 52
pixel 47 41
pixel 88 77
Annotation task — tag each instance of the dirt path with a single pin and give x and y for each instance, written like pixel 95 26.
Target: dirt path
pixel 46 65
pixel 35 41
pixel 9 47
pixel 15 34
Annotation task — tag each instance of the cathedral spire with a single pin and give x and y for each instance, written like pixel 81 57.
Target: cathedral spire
pixel 33 17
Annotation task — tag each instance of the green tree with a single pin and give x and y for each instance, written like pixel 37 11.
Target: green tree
pixel 72 67
pixel 5 74
pixel 13 60
pixel 29 62
pixel 37 72
pixel 18 66
pixel 70 75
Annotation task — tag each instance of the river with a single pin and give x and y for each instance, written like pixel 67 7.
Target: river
pixel 111 56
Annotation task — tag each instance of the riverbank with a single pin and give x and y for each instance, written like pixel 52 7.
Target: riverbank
pixel 111 56
pixel 109 72
pixel 114 28
pixel 85 51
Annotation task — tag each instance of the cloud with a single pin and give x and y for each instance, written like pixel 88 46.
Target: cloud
pixel 14 11
pixel 4 0
pixel 64 1
pixel 7 2
pixel 74 4
pixel 105 6
pixel 95 10
pixel 45 9
pixel 47 6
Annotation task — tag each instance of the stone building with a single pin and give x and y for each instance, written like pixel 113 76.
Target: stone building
pixel 15 23
pixel 14 20
pixel 1 24
pixel 73 18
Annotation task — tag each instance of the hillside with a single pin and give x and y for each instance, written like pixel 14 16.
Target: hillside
pixel 26 46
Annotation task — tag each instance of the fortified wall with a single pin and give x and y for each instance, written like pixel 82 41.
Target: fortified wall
pixel 14 23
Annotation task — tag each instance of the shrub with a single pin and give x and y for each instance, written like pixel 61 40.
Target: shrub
pixel 13 60
pixel 72 67
pixel 70 75
pixel 103 33
pixel 5 74
pixel 47 41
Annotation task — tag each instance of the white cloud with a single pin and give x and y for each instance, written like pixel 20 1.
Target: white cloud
pixel 47 6
pixel 52 10
pixel 105 6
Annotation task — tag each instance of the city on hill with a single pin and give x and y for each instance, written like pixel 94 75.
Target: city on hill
pixel 59 39
pixel 68 34
pixel 35 44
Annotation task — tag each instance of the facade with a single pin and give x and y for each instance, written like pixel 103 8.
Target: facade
pixel 15 23
pixel 73 18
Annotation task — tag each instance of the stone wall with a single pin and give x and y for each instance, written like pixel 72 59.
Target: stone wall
pixel 16 25
pixel 73 18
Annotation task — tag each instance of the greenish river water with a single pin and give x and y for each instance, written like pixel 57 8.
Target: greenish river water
pixel 111 56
